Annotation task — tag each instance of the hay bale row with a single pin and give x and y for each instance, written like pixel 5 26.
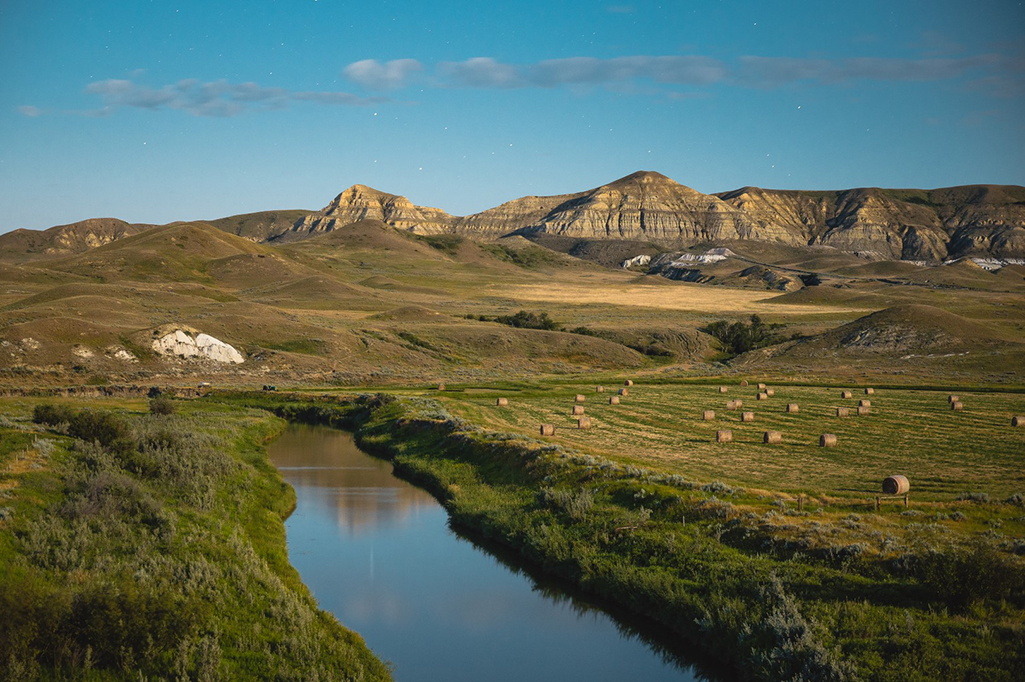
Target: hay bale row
pixel 502 402
pixel 827 440
pixel 763 396
pixel 896 485
pixel 957 406
pixel 747 416
pixel 1017 421
pixel 613 400
pixel 772 437
pixel 723 436
pixel 792 408
pixel 842 412
pixel 723 389
pixel 846 395
pixel 580 398
pixel 584 423
pixel 547 429
pixel 870 391
pixel 578 409
pixel 708 415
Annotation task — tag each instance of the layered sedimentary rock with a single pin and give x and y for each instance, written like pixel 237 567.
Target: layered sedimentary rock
pixel 68 239
pixel 511 216
pixel 360 202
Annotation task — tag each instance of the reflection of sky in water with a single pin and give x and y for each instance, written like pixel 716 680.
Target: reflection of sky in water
pixel 377 552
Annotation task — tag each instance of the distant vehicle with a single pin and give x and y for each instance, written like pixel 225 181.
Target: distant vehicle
pixel 204 384
pixel 268 387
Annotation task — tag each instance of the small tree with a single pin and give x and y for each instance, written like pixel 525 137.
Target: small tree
pixel 161 405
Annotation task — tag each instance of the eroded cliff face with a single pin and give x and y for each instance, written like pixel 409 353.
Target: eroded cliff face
pixel 360 202
pixel 511 216
pixel 68 239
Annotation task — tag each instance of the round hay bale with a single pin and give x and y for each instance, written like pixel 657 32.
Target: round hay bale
pixel 769 392
pixel 502 402
pixel 738 402
pixel 896 485
pixel 863 410
pixel 772 437
pixel 708 415
pixel 864 403
pixel 793 408
pixel 623 391
pixel 578 409
pixel 599 389
pixel 827 440
pixel 580 398
pixel 731 405
pixel 762 387
pixel 747 416
pixel 953 398
pixel 1017 421
pixel 613 400
pixel 763 396
pixel 842 412
pixel 584 423
pixel 723 436
pixel 547 430
pixel 870 391
pixel 743 383
pixel 723 389
pixel 957 405
pixel 846 395
pixel 441 387
pixel 628 382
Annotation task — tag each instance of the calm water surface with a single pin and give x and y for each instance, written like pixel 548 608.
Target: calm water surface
pixel 379 554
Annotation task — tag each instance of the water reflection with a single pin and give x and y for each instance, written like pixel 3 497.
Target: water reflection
pixel 379 554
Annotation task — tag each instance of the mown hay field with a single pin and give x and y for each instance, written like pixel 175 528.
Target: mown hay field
pixel 911 432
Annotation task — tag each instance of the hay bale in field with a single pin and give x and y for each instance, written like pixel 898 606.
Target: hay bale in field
pixel 864 403
pixel 731 405
pixel 762 387
pixel 846 395
pixel 957 405
pixel 738 402
pixel 578 409
pixel 723 389
pixel 584 423
pixel 770 392
pixel 599 389
pixel 827 440
pixel 743 383
pixel 1017 421
pixel 953 398
pixel 502 402
pixel 870 391
pixel 763 396
pixel 842 412
pixel 623 391
pixel 580 398
pixel 613 400
pixel 772 437
pixel 547 430
pixel 441 387
pixel 792 408
pixel 628 382
pixel 708 415
pixel 896 485
pixel 747 416
pixel 723 436
pixel 862 410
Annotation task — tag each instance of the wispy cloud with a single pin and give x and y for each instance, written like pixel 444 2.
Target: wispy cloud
pixel 770 72
pixel 374 75
pixel 29 110
pixel 216 98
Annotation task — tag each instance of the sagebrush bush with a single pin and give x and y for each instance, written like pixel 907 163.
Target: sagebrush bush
pixel 161 405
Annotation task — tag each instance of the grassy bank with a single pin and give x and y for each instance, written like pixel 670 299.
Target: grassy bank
pixel 137 545
pixel 714 563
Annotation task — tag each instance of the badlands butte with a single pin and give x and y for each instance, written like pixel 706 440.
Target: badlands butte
pixel 893 285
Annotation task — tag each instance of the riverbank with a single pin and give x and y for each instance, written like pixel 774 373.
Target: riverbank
pixel 145 545
pixel 695 557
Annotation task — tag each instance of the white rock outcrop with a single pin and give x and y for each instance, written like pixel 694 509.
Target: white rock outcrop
pixel 180 343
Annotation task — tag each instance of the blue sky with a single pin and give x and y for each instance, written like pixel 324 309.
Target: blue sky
pixel 156 111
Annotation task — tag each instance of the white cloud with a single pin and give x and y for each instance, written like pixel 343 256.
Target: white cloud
pixel 373 75
pixel 29 110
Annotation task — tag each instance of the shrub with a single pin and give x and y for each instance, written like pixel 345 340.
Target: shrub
pixel 962 576
pixel 527 320
pixel 51 415
pixel 161 405
pixel 980 498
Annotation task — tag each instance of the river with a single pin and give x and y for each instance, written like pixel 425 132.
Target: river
pixel 378 553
